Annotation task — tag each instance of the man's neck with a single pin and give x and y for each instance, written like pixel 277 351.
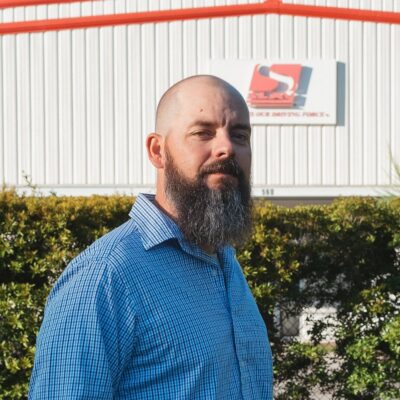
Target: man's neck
pixel 210 250
pixel 167 208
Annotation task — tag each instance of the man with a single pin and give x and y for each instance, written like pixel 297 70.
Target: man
pixel 159 307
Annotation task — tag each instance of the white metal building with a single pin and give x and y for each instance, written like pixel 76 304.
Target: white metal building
pixel 76 104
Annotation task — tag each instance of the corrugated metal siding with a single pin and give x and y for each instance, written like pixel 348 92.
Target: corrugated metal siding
pixel 77 105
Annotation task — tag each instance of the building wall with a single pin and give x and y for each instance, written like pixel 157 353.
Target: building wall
pixel 76 105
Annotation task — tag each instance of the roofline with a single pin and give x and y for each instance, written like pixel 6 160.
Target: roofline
pixel 143 17
pixel 27 3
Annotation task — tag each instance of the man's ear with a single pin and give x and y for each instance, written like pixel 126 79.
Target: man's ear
pixel 154 144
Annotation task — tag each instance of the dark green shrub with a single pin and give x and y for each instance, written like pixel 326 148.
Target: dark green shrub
pixel 38 237
pixel 346 255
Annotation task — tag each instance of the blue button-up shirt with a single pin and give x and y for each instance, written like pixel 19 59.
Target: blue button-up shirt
pixel 142 314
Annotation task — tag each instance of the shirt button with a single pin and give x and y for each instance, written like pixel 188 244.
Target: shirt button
pixel 242 364
pixel 214 272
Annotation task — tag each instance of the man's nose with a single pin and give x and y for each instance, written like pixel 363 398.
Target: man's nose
pixel 223 145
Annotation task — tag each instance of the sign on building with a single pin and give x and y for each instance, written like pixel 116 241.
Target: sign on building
pixel 285 91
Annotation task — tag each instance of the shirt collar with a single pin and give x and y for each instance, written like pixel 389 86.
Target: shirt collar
pixel 154 226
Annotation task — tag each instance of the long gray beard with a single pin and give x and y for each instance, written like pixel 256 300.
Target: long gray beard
pixel 210 218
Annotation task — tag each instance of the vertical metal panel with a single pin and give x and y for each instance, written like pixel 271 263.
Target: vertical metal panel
pixel 203 43
pixel 382 111
pixel 189 48
pixel 245 35
pixel 273 144
pixel 395 97
pixel 107 106
pixel 22 103
pixel 369 103
pixel 65 127
pixel 10 128
pixel 301 142
pixel 76 106
pixel 161 53
pixel 92 75
pixel 256 47
pixel 51 109
pixel 328 51
pixel 315 161
pixel 175 50
pixel 356 103
pixel 162 58
pixel 342 162
pixel 121 105
pixel 148 58
pixel 259 37
pixel 231 34
pixel 136 146
pixel 23 107
pixel 79 113
pixel 51 80
pixel 107 113
pixel 286 132
pixel 10 124
pixel 38 173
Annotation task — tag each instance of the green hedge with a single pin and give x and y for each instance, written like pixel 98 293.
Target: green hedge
pixel 345 254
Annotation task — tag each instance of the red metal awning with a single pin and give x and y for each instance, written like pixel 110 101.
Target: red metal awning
pixel 267 7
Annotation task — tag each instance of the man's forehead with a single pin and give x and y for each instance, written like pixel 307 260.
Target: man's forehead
pixel 204 98
pixel 200 97
pixel 209 116
pixel 204 88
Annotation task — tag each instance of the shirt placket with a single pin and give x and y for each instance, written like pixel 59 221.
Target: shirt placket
pixel 241 355
pixel 215 270
pixel 222 273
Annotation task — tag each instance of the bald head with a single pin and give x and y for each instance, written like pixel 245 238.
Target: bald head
pixel 173 100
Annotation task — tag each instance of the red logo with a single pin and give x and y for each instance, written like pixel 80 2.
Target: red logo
pixel 274 86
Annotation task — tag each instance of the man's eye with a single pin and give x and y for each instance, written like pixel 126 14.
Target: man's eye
pixel 241 136
pixel 203 134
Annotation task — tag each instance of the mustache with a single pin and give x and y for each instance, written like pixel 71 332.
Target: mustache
pixel 228 166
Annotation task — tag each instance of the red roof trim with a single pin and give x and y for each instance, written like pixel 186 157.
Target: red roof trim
pixel 268 7
pixel 26 3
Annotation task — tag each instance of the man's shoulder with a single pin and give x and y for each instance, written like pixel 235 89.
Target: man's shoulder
pixel 121 239
pixel 108 256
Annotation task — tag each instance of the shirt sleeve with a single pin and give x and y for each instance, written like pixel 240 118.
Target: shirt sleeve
pixel 86 338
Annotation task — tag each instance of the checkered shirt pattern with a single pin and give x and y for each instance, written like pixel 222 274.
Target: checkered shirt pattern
pixel 143 314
